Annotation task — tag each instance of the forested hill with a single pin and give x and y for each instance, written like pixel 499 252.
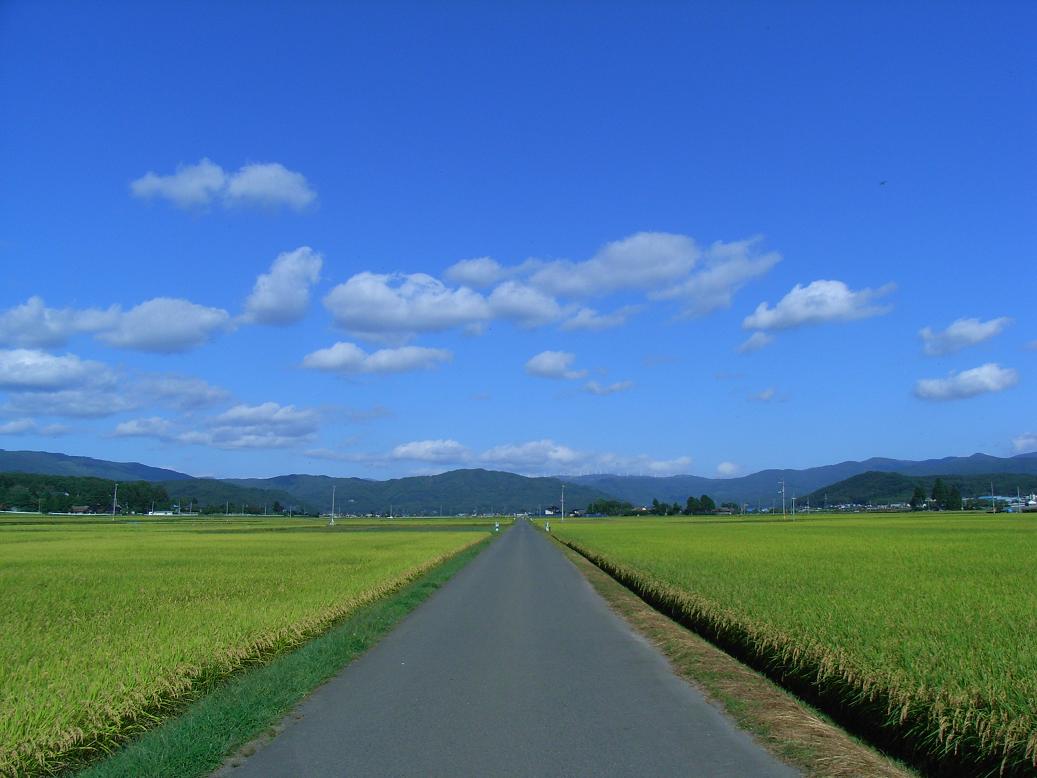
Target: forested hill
pixel 458 491
pixel 886 488
pixel 48 463
pixel 61 493
pixel 763 487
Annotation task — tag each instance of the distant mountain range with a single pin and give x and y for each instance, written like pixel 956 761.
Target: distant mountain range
pixel 458 491
pixel 762 487
pixel 467 491
pixel 45 463
pixel 885 488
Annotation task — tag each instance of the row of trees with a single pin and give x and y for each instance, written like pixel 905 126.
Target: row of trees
pixel 693 507
pixel 59 494
pixel 943 497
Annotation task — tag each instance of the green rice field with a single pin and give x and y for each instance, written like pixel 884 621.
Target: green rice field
pixel 921 628
pixel 107 626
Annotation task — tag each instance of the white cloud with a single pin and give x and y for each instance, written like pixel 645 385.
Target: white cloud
pixel 589 320
pixel 764 396
pixel 394 306
pixel 728 267
pixel 34 325
pixel 478 273
pixel 32 370
pixel 727 469
pixel 181 392
pixel 166 325
pixel 605 389
pixel 85 402
pixel 282 295
pixel 986 378
pixel 269 184
pixel 755 342
pixel 441 451
pixel 522 304
pixel 540 454
pixel 30 427
pixel 553 364
pixel 960 334
pixel 644 260
pixel 1025 443
pixel 817 303
pixel 200 184
pixel 268 425
pixel 151 427
pixel 350 358
pixel 190 185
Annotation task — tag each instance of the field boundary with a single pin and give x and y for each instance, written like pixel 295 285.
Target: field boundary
pixel 785 725
pixel 911 729
pixel 232 710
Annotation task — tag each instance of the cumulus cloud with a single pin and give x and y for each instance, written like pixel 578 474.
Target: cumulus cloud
pixel 197 185
pixel 33 370
pixel 589 320
pixel 755 342
pixel 593 387
pixel 1025 443
pixel 394 306
pixel 282 295
pixel 727 469
pixel 764 396
pixel 960 334
pixel 151 427
pixel 166 325
pixel 349 358
pixel 534 457
pixel 523 304
pixel 644 260
pixel 478 273
pixel 984 379
pixel 190 185
pixel 268 425
pixel 180 392
pixel 553 364
pixel 34 325
pixel 30 427
pixel 727 268
pixel 539 454
pixel 817 303
pixel 440 451
pixel 269 184
pixel 85 402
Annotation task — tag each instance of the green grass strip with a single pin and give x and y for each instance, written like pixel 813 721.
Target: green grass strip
pixel 197 741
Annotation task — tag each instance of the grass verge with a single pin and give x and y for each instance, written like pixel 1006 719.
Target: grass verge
pixel 198 740
pixel 786 726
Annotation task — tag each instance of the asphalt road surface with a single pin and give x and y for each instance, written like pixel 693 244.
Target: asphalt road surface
pixel 515 667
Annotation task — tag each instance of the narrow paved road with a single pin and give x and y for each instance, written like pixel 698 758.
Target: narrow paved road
pixel 516 667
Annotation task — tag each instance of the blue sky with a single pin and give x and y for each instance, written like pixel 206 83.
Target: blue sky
pixel 382 239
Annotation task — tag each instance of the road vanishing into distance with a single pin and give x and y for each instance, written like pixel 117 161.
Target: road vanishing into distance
pixel 515 667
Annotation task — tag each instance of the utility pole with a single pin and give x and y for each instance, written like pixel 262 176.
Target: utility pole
pixel 563 502
pixel 115 501
pixel 332 522
pixel 782 498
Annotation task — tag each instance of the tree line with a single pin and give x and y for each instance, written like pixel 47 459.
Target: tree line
pixel 944 498
pixel 695 506
pixel 60 493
